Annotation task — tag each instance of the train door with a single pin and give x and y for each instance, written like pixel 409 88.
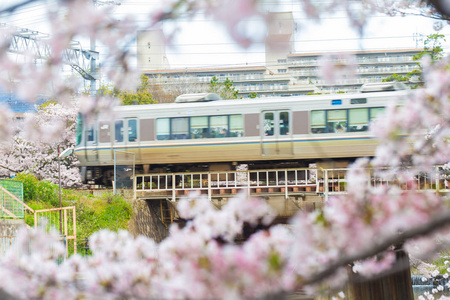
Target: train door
pixel 105 142
pixel 91 143
pixel 126 139
pixel 276 136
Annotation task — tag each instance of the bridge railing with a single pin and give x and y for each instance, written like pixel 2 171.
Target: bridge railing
pixel 222 182
pixel 325 182
pixel 334 181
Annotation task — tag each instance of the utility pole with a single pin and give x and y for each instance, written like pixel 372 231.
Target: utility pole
pixel 93 81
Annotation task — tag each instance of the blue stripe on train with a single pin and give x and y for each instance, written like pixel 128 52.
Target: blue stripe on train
pixel 227 144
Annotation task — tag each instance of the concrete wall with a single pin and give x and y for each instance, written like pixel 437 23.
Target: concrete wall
pixel 147 220
pixel 9 227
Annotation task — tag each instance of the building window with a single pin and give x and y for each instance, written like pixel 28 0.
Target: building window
pixel 148 45
pixel 282 70
pixel 149 59
pixel 282 61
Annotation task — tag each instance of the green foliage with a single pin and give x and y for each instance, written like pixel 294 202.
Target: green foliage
pixel 34 189
pixel 225 89
pixel 214 85
pixel 275 262
pixel 396 77
pixel 47 103
pixel 142 94
pixel 253 95
pixel 106 212
pixel 432 48
pixel 30 183
pixel 93 213
pixel 35 205
pixel 107 90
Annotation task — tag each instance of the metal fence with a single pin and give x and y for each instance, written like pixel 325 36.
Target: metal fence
pixel 63 220
pixel 11 199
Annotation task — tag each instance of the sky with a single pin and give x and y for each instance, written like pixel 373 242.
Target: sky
pixel 204 42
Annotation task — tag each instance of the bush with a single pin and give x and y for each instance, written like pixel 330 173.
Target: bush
pixel 30 183
pixel 108 211
pixel 41 190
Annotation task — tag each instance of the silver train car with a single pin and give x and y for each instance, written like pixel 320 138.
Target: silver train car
pixel 200 133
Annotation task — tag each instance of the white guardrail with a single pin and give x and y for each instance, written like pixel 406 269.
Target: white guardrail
pixel 227 182
pixel 320 181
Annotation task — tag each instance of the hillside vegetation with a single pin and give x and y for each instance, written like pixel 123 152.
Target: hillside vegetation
pixel 93 213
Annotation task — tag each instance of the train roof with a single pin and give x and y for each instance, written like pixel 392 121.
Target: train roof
pixel 262 101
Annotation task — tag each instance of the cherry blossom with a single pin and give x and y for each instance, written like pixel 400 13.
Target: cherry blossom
pixel 34 148
pixel 207 258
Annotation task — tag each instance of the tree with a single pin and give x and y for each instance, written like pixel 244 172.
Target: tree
pixel 432 49
pixel 396 77
pixel 357 233
pixel 224 89
pixel 35 148
pixel 140 96
pixel 166 91
pixel 253 95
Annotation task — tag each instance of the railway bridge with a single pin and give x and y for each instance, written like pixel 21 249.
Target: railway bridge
pixel 285 190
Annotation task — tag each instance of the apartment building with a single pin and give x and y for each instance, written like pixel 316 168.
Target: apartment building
pixel 371 66
pixel 285 73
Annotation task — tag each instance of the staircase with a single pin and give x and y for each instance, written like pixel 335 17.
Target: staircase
pixel 167 212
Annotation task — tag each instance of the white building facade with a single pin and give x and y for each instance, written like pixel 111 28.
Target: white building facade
pixel 285 72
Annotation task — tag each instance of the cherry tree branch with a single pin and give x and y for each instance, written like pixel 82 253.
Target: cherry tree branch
pixel 9 169
pixel 438 222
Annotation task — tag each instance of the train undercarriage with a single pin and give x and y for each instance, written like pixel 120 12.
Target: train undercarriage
pixel 104 175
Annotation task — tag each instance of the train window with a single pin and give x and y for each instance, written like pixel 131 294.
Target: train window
pixel 163 129
pixel 132 130
pixel 199 127
pixel 218 126
pixel 236 125
pixel 358 101
pixel 337 120
pixel 119 131
pixel 358 119
pixel 104 132
pixel 268 124
pixel 318 121
pixel 90 135
pixel 179 128
pixel 375 112
pixel 284 123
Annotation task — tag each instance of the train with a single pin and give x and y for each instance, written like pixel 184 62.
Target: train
pixel 201 132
